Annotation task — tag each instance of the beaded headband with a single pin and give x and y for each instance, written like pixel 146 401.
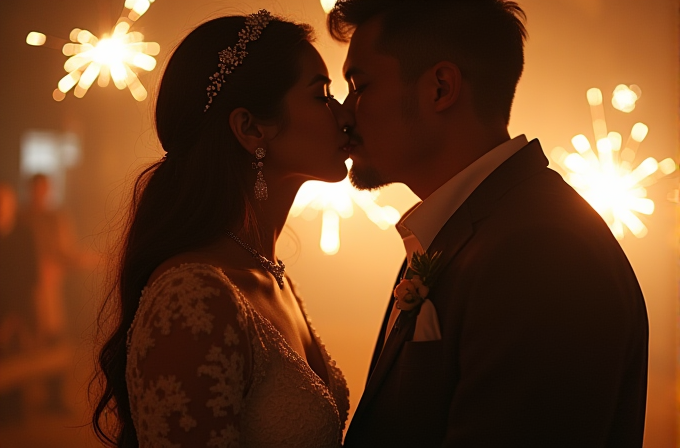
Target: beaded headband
pixel 232 57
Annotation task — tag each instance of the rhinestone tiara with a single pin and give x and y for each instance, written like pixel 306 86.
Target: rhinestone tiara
pixel 230 58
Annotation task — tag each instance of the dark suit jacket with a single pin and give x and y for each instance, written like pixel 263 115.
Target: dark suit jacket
pixel 544 329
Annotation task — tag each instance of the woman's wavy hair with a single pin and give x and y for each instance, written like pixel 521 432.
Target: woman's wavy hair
pixel 198 191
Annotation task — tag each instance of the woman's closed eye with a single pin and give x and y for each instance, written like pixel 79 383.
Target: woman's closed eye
pixel 327 96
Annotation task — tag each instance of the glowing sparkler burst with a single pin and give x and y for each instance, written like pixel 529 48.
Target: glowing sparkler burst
pixel 137 8
pixel 336 201
pixel 625 97
pixel 327 5
pixel 109 58
pixel 607 179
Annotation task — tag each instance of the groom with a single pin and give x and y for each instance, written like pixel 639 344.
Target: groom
pixel 534 332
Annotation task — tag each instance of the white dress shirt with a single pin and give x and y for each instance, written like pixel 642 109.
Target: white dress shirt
pixel 420 225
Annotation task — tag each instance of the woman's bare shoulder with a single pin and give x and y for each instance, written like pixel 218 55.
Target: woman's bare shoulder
pixel 179 260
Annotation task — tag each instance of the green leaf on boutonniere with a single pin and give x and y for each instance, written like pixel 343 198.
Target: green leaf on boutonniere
pixel 426 266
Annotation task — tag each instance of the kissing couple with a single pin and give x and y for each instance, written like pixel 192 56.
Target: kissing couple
pixel 516 321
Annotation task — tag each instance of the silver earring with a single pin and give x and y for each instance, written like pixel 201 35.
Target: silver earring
pixel 261 193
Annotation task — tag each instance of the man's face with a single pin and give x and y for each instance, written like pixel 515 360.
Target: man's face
pixel 385 109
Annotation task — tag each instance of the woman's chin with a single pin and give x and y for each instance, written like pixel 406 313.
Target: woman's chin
pixel 339 176
pixel 333 174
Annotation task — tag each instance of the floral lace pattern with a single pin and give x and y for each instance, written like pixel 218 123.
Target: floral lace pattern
pixel 206 369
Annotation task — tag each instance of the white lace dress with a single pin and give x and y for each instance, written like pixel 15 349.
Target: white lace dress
pixel 194 337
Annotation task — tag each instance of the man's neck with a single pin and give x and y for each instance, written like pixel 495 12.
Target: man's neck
pixel 456 155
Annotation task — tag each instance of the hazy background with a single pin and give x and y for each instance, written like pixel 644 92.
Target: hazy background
pixel 573 45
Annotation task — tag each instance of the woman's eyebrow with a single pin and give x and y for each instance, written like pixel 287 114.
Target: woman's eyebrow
pixel 319 78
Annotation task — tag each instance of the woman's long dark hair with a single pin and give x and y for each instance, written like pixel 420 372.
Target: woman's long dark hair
pixel 200 189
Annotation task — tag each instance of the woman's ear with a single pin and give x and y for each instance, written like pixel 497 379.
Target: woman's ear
pixel 246 129
pixel 447 81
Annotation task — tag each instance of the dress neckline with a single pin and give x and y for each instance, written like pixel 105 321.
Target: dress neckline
pixel 286 345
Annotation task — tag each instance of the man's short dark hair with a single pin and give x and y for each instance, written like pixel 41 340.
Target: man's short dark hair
pixel 484 38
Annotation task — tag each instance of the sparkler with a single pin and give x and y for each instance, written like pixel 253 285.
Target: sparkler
pixel 608 180
pixel 107 58
pixel 336 200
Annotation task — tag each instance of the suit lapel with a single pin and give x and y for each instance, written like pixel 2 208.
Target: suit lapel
pixel 459 230
pixel 384 357
pixel 453 236
pixel 381 337
pixel 449 241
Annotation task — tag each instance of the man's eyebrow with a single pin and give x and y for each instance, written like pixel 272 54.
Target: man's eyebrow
pixel 319 78
pixel 352 71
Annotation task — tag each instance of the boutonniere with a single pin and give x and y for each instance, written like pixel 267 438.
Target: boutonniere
pixel 420 276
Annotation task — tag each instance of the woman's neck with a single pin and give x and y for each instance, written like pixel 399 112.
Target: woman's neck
pixel 271 216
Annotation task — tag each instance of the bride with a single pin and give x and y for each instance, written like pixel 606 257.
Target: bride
pixel 211 345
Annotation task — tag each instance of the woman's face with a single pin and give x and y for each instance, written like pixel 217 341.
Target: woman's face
pixel 310 145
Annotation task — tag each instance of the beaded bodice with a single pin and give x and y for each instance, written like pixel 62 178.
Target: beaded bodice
pixel 206 369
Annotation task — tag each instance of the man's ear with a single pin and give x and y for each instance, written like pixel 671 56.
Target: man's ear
pixel 246 129
pixel 447 81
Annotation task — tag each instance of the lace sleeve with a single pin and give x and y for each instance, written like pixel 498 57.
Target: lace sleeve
pixel 188 362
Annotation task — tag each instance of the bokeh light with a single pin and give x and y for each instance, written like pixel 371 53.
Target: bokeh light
pixel 327 5
pixel 109 58
pixel 335 201
pixel 625 97
pixel 36 39
pixel 608 179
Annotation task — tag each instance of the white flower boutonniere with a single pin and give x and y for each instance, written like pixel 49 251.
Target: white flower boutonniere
pixel 420 275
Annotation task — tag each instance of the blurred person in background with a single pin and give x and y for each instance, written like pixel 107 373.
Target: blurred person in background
pixel 18 279
pixel 57 252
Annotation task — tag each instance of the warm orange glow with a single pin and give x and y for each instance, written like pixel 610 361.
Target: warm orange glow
pixel 327 5
pixel 615 139
pixel 335 201
pixel 68 81
pixel 137 8
pixel 73 36
pixel 85 37
pixel 581 143
pixel 607 180
pixel 58 95
pixel 36 39
pixel 330 232
pixel 625 97
pixel 594 97
pixel 639 132
pixel 140 7
pixel 107 58
pixel 667 166
pixel 111 57
pixel 86 79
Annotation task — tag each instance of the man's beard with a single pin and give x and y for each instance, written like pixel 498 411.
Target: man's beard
pixel 366 178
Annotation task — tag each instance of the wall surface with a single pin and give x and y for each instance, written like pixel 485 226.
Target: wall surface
pixel 573 45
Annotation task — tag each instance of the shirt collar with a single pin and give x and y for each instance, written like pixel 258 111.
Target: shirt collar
pixel 420 225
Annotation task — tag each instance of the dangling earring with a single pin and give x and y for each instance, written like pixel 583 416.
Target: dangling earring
pixel 261 193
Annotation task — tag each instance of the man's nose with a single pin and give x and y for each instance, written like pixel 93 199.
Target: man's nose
pixel 350 101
